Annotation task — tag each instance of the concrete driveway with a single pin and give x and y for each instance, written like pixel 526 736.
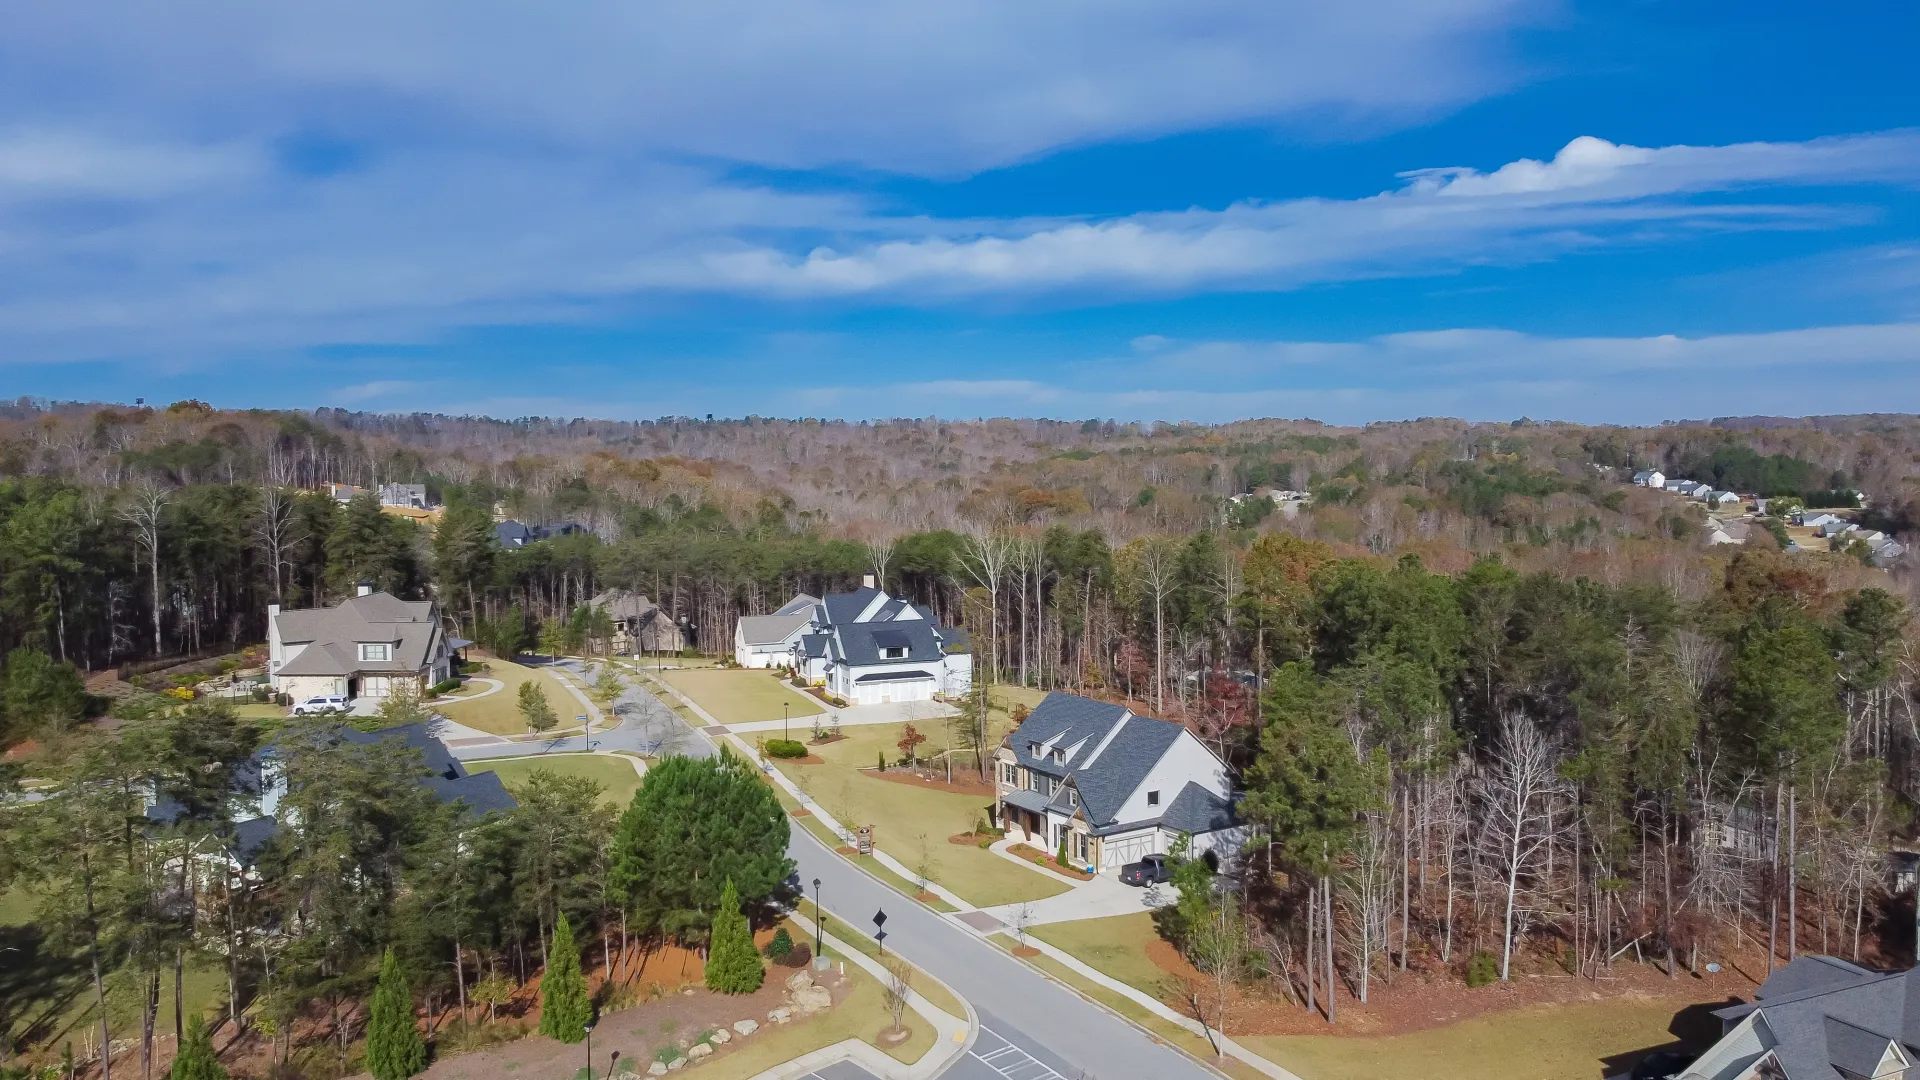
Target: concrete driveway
pixel 1098 898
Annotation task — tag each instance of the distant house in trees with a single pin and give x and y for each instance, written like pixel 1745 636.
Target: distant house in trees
pixel 1650 478
pixel 639 624
pixel 263 783
pixel 361 647
pixel 1113 786
pixel 1818 1018
pixel 864 646
pixel 513 535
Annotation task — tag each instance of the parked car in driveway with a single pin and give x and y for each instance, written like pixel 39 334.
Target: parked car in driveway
pixel 317 706
pixel 1152 870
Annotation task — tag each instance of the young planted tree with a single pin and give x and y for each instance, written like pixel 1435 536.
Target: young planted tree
pixel 197 1060
pixel 395 1050
pixel 733 964
pixel 535 709
pixel 565 1009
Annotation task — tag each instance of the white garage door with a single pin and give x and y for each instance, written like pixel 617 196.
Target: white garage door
pixel 904 690
pixel 1117 851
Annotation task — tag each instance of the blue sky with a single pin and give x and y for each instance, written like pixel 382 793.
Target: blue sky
pixel 1370 210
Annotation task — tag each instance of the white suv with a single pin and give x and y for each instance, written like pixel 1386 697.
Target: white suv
pixel 315 706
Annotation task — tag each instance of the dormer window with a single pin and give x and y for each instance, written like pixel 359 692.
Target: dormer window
pixel 1033 749
pixel 1153 798
pixel 1059 757
pixel 376 651
pixel 893 652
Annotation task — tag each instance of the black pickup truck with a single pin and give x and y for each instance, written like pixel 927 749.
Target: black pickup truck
pixel 1152 870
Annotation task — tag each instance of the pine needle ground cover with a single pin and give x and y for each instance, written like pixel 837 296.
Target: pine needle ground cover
pixel 499 713
pixel 902 814
pixel 735 696
pixel 614 774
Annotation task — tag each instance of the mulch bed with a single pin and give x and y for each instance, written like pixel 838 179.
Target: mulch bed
pixel 1040 858
pixel 810 759
pixel 801 811
pixel 964 783
pixel 973 839
pixel 826 740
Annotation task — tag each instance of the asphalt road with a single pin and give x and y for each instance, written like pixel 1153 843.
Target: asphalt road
pixel 1054 1034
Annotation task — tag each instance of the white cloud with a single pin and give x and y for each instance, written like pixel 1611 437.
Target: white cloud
pixel 920 87
pixel 1591 194
pixel 52 164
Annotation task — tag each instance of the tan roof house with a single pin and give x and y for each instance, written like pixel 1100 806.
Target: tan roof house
pixel 638 623
pixel 361 647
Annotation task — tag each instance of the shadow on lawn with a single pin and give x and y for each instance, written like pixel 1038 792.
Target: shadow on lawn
pixel 1694 1029
pixel 38 984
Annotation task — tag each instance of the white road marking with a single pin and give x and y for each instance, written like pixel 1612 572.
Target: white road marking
pixel 1012 1062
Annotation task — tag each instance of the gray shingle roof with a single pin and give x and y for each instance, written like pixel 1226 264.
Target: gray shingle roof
pixel 1828 1015
pixel 1196 810
pixel 333 636
pixel 861 642
pixel 846 607
pixel 771 629
pixel 1119 763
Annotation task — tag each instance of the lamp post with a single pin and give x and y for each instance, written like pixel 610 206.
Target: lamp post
pixel 611 1062
pixel 784 734
pixel 589 1050
pixel 819 924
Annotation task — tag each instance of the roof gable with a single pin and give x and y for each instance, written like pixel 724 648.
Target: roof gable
pixel 1126 748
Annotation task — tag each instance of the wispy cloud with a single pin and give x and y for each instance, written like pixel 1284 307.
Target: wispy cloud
pixel 1593 193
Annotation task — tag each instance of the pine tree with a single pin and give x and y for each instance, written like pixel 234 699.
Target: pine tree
pixel 196 1060
pixel 394 1048
pixel 733 965
pixel 564 1007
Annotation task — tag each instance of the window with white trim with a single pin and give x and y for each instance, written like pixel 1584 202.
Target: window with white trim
pixel 376 651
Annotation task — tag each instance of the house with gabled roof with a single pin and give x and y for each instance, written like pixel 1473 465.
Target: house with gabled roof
pixel 1819 1018
pixel 261 784
pixel 764 641
pixel 1112 786
pixel 865 647
pixel 363 646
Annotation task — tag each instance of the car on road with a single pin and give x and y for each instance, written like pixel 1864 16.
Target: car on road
pixel 1662 1065
pixel 1152 870
pixel 320 706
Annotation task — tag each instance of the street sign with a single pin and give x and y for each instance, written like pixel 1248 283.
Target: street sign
pixel 879 934
pixel 580 719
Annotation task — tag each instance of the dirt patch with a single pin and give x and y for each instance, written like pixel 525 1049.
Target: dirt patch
pixel 1424 997
pixel 963 783
pixel 926 897
pixel 801 811
pixel 1041 859
pixel 1026 951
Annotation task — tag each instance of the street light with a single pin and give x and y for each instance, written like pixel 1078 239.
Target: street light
pixel 784 734
pixel 819 924
pixel 589 1050
pixel 611 1062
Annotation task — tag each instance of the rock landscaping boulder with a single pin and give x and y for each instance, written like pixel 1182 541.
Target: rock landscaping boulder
pixel 746 1027
pixel 699 1050
pixel 780 1015
pixel 676 1063
pixel 658 1068
pixel 721 1036
pixel 799 980
pixel 813 999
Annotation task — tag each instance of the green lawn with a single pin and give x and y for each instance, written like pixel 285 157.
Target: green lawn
pixel 499 713
pixel 1541 1042
pixel 739 697
pixel 1115 946
pixel 613 773
pixel 912 823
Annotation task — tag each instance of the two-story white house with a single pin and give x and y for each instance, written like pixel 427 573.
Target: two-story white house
pixel 360 647
pixel 1112 785
pixel 1650 478
pixel 864 647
